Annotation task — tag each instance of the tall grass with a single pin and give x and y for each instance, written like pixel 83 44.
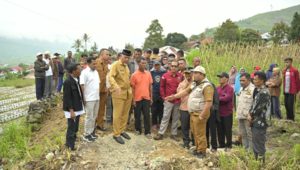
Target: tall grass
pixel 18 83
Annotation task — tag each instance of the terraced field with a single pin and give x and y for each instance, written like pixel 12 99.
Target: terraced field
pixel 14 103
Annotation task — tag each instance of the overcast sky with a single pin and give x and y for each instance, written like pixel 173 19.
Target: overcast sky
pixel 116 22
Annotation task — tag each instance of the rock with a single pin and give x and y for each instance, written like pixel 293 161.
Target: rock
pixel 169 144
pixel 49 156
pixel 295 135
pixel 210 164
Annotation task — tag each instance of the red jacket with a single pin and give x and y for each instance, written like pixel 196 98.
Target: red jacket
pixel 295 83
pixel 169 85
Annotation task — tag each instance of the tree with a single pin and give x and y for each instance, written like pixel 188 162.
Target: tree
pixel 209 33
pixel 94 47
pixel 77 44
pixel 21 65
pixel 175 39
pixel 129 47
pixel 202 36
pixel 86 38
pixel 279 32
pixel 249 35
pixel 194 37
pixel 155 37
pixel 294 33
pixel 228 32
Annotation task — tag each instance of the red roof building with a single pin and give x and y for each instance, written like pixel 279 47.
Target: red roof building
pixel 209 40
pixel 17 68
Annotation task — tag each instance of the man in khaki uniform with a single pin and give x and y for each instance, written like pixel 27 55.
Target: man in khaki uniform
pixel 102 68
pixel 199 104
pixel 245 101
pixel 121 95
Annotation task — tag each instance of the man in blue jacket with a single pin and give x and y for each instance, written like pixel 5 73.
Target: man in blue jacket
pixel 158 104
pixel 61 73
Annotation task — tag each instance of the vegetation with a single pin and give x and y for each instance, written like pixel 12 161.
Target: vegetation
pixel 17 82
pixel 250 36
pixel 294 33
pixel 77 45
pixel 175 39
pixel 155 37
pixel 129 47
pixel 227 33
pixel 86 38
pixel 279 32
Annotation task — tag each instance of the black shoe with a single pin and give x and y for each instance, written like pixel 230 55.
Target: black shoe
pixel 125 136
pixel 194 152
pixel 186 146
pixel 88 138
pixel 179 128
pixel 220 146
pixel 213 150
pixel 236 143
pixel 94 136
pixel 101 128
pixel 201 155
pixel 119 140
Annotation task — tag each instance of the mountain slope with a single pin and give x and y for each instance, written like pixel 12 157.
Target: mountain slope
pixel 15 51
pixel 264 22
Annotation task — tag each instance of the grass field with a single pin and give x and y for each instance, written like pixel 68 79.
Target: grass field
pixel 18 83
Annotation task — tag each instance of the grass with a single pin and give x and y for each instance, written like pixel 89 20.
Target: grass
pixel 18 83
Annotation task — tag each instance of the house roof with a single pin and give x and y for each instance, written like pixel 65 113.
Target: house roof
pixel 209 40
pixel 169 50
pixel 17 68
pixel 1 72
pixel 30 67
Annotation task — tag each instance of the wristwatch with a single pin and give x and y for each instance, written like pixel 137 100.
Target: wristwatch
pixel 201 118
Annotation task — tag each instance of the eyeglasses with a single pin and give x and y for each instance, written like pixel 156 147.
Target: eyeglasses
pixel 174 66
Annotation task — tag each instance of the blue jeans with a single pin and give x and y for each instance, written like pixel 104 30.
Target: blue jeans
pixel 275 111
pixel 60 84
pixel 39 87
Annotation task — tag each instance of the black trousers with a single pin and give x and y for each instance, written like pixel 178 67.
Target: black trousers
pixel 157 108
pixel 212 128
pixel 225 129
pixel 289 103
pixel 185 127
pixel 71 132
pixel 142 107
pixel 39 88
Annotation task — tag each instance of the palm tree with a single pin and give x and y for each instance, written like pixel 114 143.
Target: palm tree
pixel 86 38
pixel 94 47
pixel 77 45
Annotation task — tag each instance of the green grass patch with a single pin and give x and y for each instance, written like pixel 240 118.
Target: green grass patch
pixel 18 83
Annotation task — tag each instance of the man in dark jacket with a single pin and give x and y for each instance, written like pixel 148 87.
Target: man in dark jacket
pixel 61 73
pixel 68 61
pixel 40 67
pixel 73 103
pixel 158 104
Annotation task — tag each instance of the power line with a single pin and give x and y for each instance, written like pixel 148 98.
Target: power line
pixel 53 19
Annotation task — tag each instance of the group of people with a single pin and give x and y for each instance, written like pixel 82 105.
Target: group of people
pixel 171 91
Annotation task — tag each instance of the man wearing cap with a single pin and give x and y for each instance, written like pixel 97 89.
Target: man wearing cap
pixel 168 86
pixel 199 105
pixel 184 114
pixel 172 56
pixel 48 79
pixel 147 55
pixel 54 74
pixel 121 95
pixel 40 67
pixel 61 73
pixel 155 54
pixel 158 103
pixel 225 92
pixel 68 61
pixel 102 68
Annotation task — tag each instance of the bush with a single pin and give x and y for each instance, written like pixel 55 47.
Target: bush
pixel 20 76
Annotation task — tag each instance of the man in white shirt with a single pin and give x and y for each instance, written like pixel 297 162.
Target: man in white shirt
pixel 90 85
pixel 48 78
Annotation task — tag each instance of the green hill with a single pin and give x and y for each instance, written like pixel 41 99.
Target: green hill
pixel 15 51
pixel 265 21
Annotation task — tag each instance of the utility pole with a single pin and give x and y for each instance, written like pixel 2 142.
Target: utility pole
pixel 271 7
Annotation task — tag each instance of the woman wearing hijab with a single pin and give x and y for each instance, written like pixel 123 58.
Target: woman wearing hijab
pixel 232 75
pixel 269 73
pixel 164 60
pixel 274 85
pixel 237 85
pixel 256 69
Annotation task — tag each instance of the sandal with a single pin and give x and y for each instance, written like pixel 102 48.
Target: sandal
pixel 149 136
pixel 137 133
pixel 154 128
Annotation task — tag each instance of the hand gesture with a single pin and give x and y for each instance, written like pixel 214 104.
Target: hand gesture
pixel 170 97
pixel 134 103
pixel 118 90
pixel 151 102
pixel 73 116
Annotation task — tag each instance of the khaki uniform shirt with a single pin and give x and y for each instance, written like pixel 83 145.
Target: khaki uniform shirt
pixel 245 101
pixel 119 76
pixel 102 69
